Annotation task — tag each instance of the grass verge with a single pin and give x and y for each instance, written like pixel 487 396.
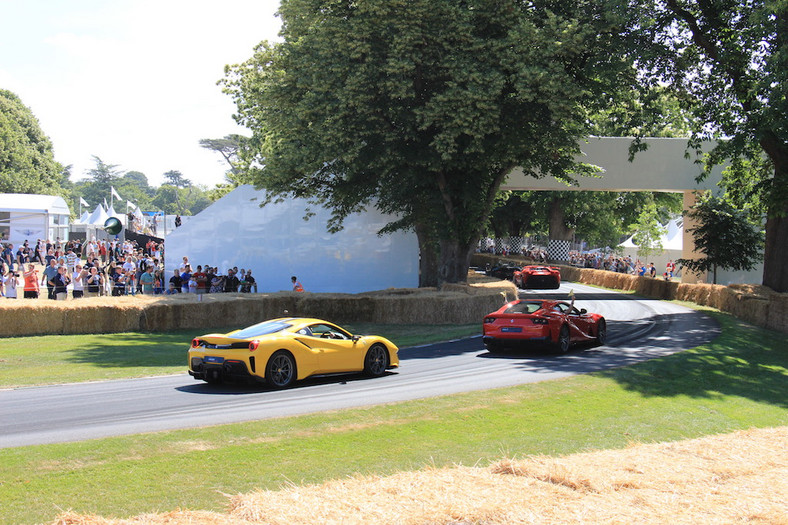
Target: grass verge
pixel 738 381
pixel 40 360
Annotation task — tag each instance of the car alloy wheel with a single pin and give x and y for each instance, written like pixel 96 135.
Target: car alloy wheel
pixel 281 370
pixel 376 361
pixel 601 332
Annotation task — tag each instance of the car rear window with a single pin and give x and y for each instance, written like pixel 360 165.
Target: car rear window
pixel 264 328
pixel 523 308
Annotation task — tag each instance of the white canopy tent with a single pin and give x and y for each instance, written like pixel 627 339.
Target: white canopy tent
pixel 672 244
pixel 31 217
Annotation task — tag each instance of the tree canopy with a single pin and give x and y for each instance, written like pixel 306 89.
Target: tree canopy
pixel 27 163
pixel 425 106
pixel 727 61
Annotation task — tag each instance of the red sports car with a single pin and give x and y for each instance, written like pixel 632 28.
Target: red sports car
pixel 534 276
pixel 553 322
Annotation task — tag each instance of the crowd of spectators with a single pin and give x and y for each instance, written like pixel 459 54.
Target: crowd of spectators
pixel 88 269
pixel 209 279
pixel 113 268
pixel 625 264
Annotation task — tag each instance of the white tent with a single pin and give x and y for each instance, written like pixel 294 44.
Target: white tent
pixel 31 217
pixel 276 242
pixel 98 217
pixel 671 241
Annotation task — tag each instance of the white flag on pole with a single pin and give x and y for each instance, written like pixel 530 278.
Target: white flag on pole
pixel 83 202
pixel 114 193
pixel 130 204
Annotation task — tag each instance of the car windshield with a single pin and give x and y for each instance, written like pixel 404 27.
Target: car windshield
pixel 523 308
pixel 264 328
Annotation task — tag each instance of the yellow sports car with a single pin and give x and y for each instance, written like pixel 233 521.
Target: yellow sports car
pixel 281 351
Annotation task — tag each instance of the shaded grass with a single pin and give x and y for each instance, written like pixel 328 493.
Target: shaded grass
pixel 707 390
pixel 39 360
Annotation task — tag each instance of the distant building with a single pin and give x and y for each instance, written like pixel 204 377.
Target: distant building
pixel 31 217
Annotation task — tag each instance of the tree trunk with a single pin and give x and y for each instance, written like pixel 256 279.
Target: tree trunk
pixel 775 257
pixel 428 258
pixel 558 229
pixel 455 258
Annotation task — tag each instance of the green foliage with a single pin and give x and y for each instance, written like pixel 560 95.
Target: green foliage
pixel 423 107
pixel 726 61
pixel 724 235
pixel 27 163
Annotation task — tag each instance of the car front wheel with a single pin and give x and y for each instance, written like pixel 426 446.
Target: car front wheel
pixel 601 332
pixel 280 372
pixel 564 341
pixel 376 361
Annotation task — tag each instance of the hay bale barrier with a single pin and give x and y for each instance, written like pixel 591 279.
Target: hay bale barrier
pixel 755 304
pixel 452 304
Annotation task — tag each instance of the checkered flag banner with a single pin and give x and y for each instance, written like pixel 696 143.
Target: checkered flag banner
pixel 558 250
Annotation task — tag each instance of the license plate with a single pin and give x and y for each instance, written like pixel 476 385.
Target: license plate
pixel 511 329
pixel 213 359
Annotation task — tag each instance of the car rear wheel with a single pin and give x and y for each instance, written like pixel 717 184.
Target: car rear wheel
pixel 564 341
pixel 280 372
pixel 601 332
pixel 376 361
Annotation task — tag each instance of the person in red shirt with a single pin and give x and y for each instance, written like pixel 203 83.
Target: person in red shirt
pixel 31 282
pixel 202 280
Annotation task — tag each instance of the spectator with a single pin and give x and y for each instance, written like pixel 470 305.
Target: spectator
pixel 250 282
pixel 78 278
pixel 176 279
pixel 8 256
pixel 10 281
pixel 231 282
pixel 120 280
pixel 172 290
pixel 201 280
pixel 296 285
pixel 158 282
pixel 94 282
pixel 185 277
pixel 217 283
pixel 31 282
pixel 60 283
pixel 49 273
pixel 147 281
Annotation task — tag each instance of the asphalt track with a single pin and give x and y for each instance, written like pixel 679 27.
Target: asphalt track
pixel 638 329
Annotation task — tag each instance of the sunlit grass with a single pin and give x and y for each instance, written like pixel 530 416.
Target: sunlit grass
pixel 740 380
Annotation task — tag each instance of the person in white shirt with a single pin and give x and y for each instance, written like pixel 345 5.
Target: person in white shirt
pixel 78 279
pixel 11 281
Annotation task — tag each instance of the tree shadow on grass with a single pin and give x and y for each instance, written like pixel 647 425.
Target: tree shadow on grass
pixel 135 350
pixel 746 361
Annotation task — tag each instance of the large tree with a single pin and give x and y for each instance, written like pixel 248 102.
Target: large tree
pixel 27 163
pixel 425 106
pixel 727 61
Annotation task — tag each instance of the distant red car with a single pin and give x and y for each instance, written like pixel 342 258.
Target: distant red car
pixel 553 322
pixel 535 276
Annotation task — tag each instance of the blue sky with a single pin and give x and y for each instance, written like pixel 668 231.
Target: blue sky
pixel 131 81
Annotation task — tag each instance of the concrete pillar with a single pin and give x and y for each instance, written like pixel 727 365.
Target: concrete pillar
pixel 688 250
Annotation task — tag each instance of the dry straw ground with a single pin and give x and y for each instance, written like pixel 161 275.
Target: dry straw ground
pixel 733 478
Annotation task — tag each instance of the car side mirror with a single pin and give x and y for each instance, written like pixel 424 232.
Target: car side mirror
pixel 583 311
pixel 355 338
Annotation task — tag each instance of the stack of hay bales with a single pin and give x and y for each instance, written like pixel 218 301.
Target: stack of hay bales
pixel 453 304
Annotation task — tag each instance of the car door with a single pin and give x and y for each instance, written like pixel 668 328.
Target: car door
pixel 336 351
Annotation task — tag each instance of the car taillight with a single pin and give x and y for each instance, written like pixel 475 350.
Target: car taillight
pixel 196 343
pixel 489 320
pixel 253 345
pixel 538 320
